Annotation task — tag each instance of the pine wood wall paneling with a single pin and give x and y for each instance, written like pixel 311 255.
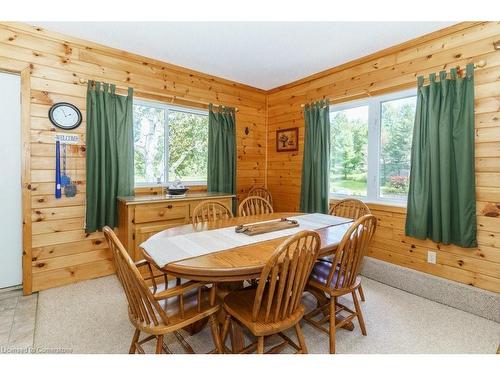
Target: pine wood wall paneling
pixel 60 66
pixel 58 69
pixel 393 70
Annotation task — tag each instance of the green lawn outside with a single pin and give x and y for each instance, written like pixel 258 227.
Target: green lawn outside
pixel 359 188
pixel 349 187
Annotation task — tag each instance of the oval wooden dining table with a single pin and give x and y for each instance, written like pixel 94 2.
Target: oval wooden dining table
pixel 243 262
pixel 239 263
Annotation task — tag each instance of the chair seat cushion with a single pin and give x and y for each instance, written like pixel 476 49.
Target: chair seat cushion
pixel 320 272
pixel 239 304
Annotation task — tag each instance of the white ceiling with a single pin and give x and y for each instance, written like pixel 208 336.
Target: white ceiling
pixel 260 54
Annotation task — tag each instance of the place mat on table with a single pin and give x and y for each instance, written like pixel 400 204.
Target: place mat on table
pixel 164 250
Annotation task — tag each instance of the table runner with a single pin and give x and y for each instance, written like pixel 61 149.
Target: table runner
pixel 164 250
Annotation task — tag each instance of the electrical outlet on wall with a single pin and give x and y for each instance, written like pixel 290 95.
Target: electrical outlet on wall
pixel 431 257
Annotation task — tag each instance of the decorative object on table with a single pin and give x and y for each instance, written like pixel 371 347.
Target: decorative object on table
pixel 287 139
pixel 58 171
pixel 266 227
pixel 65 116
pixel 177 188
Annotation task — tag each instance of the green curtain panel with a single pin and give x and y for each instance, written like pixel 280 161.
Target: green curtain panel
pixel 221 175
pixel 314 194
pixel 441 198
pixel 110 153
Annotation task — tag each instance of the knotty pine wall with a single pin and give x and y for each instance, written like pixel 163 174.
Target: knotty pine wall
pixel 59 66
pixel 62 253
pixel 396 69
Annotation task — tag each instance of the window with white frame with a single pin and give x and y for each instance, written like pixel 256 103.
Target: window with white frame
pixel 170 143
pixel 371 147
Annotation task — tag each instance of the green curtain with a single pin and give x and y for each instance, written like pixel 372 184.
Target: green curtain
pixel 441 198
pixel 221 175
pixel 314 194
pixel 110 153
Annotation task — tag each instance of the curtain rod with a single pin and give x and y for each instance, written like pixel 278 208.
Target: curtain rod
pixel 173 98
pixel 478 65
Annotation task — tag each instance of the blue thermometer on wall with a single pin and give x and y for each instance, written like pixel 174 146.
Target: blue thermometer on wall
pixel 58 170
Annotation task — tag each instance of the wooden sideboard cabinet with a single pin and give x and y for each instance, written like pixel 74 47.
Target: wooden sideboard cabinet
pixel 141 216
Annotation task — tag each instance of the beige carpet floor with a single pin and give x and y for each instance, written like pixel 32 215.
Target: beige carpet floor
pixel 91 317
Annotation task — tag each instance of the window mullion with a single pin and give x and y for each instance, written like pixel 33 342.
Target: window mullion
pixel 373 148
pixel 166 146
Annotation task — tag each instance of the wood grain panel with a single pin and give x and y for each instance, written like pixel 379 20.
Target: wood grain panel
pixel 58 66
pixel 389 71
pixel 57 70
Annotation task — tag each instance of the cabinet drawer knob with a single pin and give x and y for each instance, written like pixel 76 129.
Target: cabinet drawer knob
pixel 169 206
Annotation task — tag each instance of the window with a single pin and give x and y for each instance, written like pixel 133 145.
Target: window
pixel 349 151
pixel 396 132
pixel 170 143
pixel 371 147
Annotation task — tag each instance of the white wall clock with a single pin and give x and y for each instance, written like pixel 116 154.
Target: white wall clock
pixel 65 116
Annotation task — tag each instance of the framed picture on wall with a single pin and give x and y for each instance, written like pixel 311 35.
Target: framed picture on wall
pixel 287 139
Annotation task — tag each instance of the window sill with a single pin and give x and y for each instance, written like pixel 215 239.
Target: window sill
pixel 159 188
pixel 163 185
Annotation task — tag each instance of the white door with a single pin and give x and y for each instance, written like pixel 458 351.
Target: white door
pixel 10 185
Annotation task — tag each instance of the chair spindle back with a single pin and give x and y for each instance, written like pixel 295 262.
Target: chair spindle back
pixel 211 211
pixel 262 192
pixel 284 277
pixel 350 208
pixel 349 255
pixel 254 205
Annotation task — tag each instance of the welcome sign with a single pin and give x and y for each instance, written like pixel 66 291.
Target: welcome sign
pixel 68 139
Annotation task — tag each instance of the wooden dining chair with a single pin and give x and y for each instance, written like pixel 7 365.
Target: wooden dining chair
pixel 254 205
pixel 262 192
pixel 341 277
pixel 163 310
pixel 210 211
pixel 350 207
pixel 353 209
pixel 274 305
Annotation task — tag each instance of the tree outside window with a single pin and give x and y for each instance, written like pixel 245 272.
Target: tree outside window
pixel 169 144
